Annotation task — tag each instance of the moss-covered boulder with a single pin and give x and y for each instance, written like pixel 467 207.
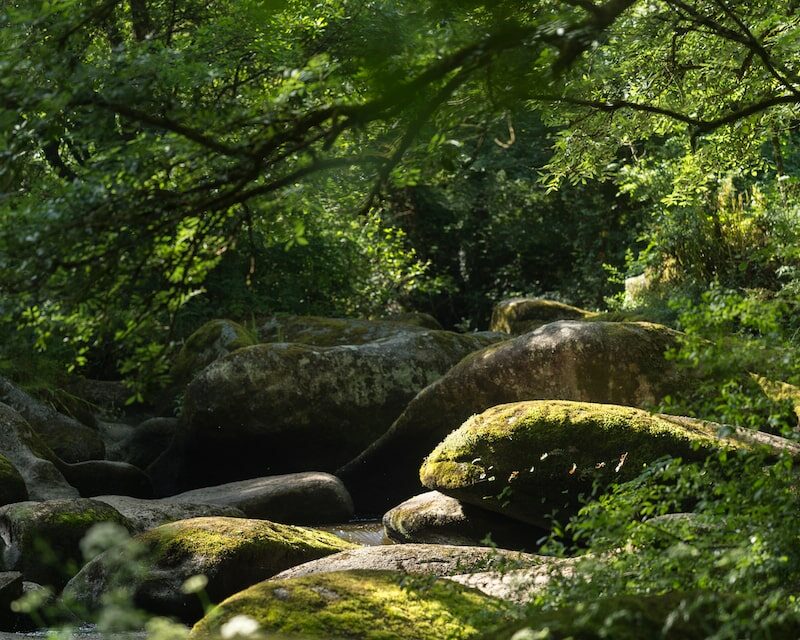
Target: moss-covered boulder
pixel 232 553
pixel 66 437
pixel 533 460
pixel 285 407
pixel 142 444
pixel 42 539
pixel 32 458
pixel 436 560
pixel 522 315
pixel 12 486
pixel 621 363
pixel 669 616
pixel 332 332
pixel 311 497
pixel 435 518
pixel 417 318
pixel 359 605
pixel 213 340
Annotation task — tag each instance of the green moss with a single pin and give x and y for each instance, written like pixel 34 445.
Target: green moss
pixel 211 341
pixel 363 605
pixel 529 458
pixel 218 538
pixel 520 315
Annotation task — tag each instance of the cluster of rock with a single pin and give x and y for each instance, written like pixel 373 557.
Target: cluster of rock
pixel 467 446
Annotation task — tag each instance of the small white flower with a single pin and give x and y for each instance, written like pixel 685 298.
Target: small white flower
pixel 239 626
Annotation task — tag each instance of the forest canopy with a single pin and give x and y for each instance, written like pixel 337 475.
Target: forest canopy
pixel 160 159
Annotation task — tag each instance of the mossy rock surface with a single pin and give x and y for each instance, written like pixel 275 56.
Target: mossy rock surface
pixel 12 486
pixel 286 407
pixel 359 605
pixel 530 460
pixel 436 560
pixel 43 538
pixel 37 465
pixel 619 363
pixel 213 340
pixel 332 332
pixel 233 553
pixel 516 316
pixel 435 518
pixel 668 616
pixel 65 436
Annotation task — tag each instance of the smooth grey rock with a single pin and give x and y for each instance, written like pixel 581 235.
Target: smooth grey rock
pixel 32 458
pixel 147 514
pixel 435 518
pixel 296 498
pixel 427 559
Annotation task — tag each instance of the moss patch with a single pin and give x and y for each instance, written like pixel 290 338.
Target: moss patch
pixel 521 315
pixel 216 539
pixel 363 605
pixel 213 340
pixel 529 459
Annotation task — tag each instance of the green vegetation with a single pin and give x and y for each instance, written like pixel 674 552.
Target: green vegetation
pixel 164 164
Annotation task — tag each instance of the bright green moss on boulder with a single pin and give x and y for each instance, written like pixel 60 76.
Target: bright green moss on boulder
pixel 12 486
pixel 233 553
pixel 358 605
pixel 529 460
pixel 213 340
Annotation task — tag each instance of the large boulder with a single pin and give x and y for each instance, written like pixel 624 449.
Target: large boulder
pixel 100 477
pixel 213 340
pixel 332 332
pixel 232 553
pixel 533 461
pixel 32 458
pixel 42 539
pixel 361 605
pixel 279 408
pixel 67 438
pixel 621 363
pixel 146 514
pixel 418 559
pixel 298 498
pixel 523 315
pixel 435 518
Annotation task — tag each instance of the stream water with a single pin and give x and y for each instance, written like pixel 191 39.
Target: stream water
pixel 369 533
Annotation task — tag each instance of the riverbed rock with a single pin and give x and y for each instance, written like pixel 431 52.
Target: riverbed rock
pixel 213 340
pixel 363 605
pixel 416 318
pixel 147 514
pixel 142 444
pixel 516 316
pixel 519 585
pixel 534 460
pixel 232 553
pixel 418 559
pixel 31 457
pixel 297 498
pixel 331 332
pixel 279 408
pixel 100 477
pixel 67 438
pixel 42 539
pixel 621 363
pixel 12 485
pixel 435 518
